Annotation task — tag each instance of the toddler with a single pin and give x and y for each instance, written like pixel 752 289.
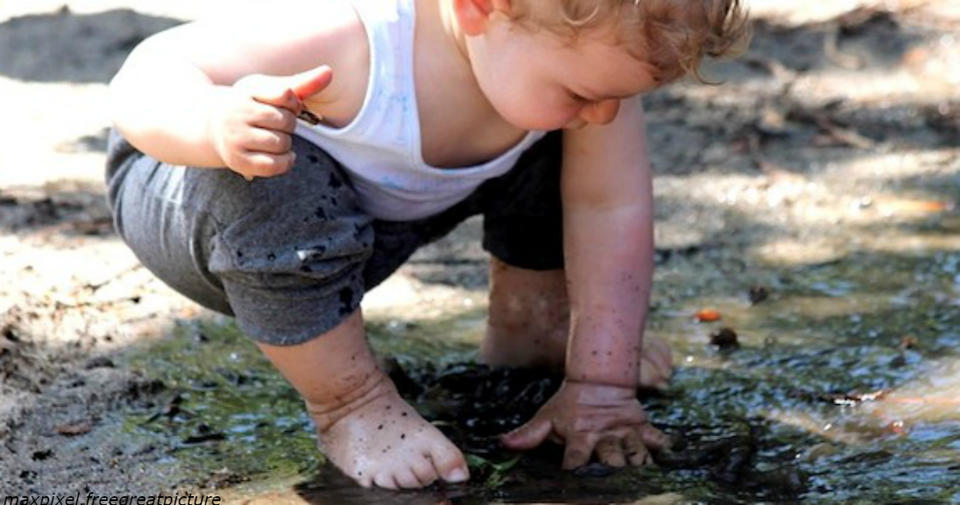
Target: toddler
pixel 353 132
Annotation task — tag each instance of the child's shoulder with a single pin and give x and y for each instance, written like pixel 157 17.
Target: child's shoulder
pixel 280 37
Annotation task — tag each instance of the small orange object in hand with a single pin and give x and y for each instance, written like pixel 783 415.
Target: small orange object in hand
pixel 708 315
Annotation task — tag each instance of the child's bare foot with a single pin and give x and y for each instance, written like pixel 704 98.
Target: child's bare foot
pixel 363 425
pixel 376 438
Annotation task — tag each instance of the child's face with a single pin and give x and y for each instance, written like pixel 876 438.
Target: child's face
pixel 538 80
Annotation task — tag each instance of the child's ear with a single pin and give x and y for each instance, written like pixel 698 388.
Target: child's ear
pixel 474 15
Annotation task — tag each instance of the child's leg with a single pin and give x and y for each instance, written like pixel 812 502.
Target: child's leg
pixel 286 256
pixel 529 324
pixel 363 425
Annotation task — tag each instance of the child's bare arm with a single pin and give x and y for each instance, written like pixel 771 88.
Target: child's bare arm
pixel 608 249
pixel 183 95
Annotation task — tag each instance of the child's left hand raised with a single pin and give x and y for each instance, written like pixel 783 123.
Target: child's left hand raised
pixel 592 418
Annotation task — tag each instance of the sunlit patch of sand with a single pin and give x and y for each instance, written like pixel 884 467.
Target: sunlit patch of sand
pixel 796 252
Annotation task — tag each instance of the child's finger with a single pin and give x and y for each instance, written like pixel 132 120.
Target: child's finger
pixel 271 91
pixel 287 91
pixel 311 82
pixel 640 457
pixel 652 437
pixel 637 452
pixel 264 165
pixel 262 140
pixel 529 435
pixel 273 118
pixel 610 452
pixel 578 450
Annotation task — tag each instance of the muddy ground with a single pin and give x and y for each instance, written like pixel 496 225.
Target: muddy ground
pixel 824 169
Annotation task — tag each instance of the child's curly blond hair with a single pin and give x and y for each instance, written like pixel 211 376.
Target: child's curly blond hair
pixel 671 35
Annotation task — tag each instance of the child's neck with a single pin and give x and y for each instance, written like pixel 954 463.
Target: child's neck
pixel 477 133
pixel 437 25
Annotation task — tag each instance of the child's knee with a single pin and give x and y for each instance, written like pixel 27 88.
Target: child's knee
pixel 292 256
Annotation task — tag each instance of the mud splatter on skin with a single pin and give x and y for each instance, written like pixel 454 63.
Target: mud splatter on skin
pixel 346 301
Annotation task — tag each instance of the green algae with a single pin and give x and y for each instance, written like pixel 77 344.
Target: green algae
pixel 226 415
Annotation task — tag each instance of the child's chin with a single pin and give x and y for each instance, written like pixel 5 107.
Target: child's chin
pixel 539 125
pixel 532 122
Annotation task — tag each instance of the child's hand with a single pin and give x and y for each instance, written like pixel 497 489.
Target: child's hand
pixel 253 121
pixel 592 417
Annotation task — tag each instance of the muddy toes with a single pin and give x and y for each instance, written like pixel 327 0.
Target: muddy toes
pixel 424 470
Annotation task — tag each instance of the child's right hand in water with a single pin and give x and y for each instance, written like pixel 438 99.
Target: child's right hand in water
pixel 592 418
pixel 252 123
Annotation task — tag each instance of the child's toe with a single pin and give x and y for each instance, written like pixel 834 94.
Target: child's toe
pixel 406 479
pixel 423 469
pixel 449 463
pixel 385 480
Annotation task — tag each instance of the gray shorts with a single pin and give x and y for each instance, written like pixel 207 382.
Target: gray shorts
pixel 291 256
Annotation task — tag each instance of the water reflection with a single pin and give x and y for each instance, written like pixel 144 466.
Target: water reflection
pixel 933 397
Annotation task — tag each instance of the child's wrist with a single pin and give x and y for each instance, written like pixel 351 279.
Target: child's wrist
pixel 612 390
pixel 610 363
pixel 601 380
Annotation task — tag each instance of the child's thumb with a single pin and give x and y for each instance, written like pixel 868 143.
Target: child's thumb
pixel 311 82
pixel 529 435
pixel 288 91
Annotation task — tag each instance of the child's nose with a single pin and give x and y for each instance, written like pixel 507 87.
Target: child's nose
pixel 601 112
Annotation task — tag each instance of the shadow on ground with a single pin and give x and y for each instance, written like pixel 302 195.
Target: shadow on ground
pixel 67 47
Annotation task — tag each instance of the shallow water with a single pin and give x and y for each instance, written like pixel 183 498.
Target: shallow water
pixel 845 388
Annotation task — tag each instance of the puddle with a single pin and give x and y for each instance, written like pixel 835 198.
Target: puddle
pixel 845 388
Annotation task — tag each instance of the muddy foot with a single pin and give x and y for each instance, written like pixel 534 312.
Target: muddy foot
pixel 384 442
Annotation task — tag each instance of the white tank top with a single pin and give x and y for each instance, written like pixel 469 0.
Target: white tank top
pixel 380 149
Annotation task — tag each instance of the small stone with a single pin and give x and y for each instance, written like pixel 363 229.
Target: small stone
pixel 725 339
pixel 100 362
pixel 74 429
pixel 758 294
